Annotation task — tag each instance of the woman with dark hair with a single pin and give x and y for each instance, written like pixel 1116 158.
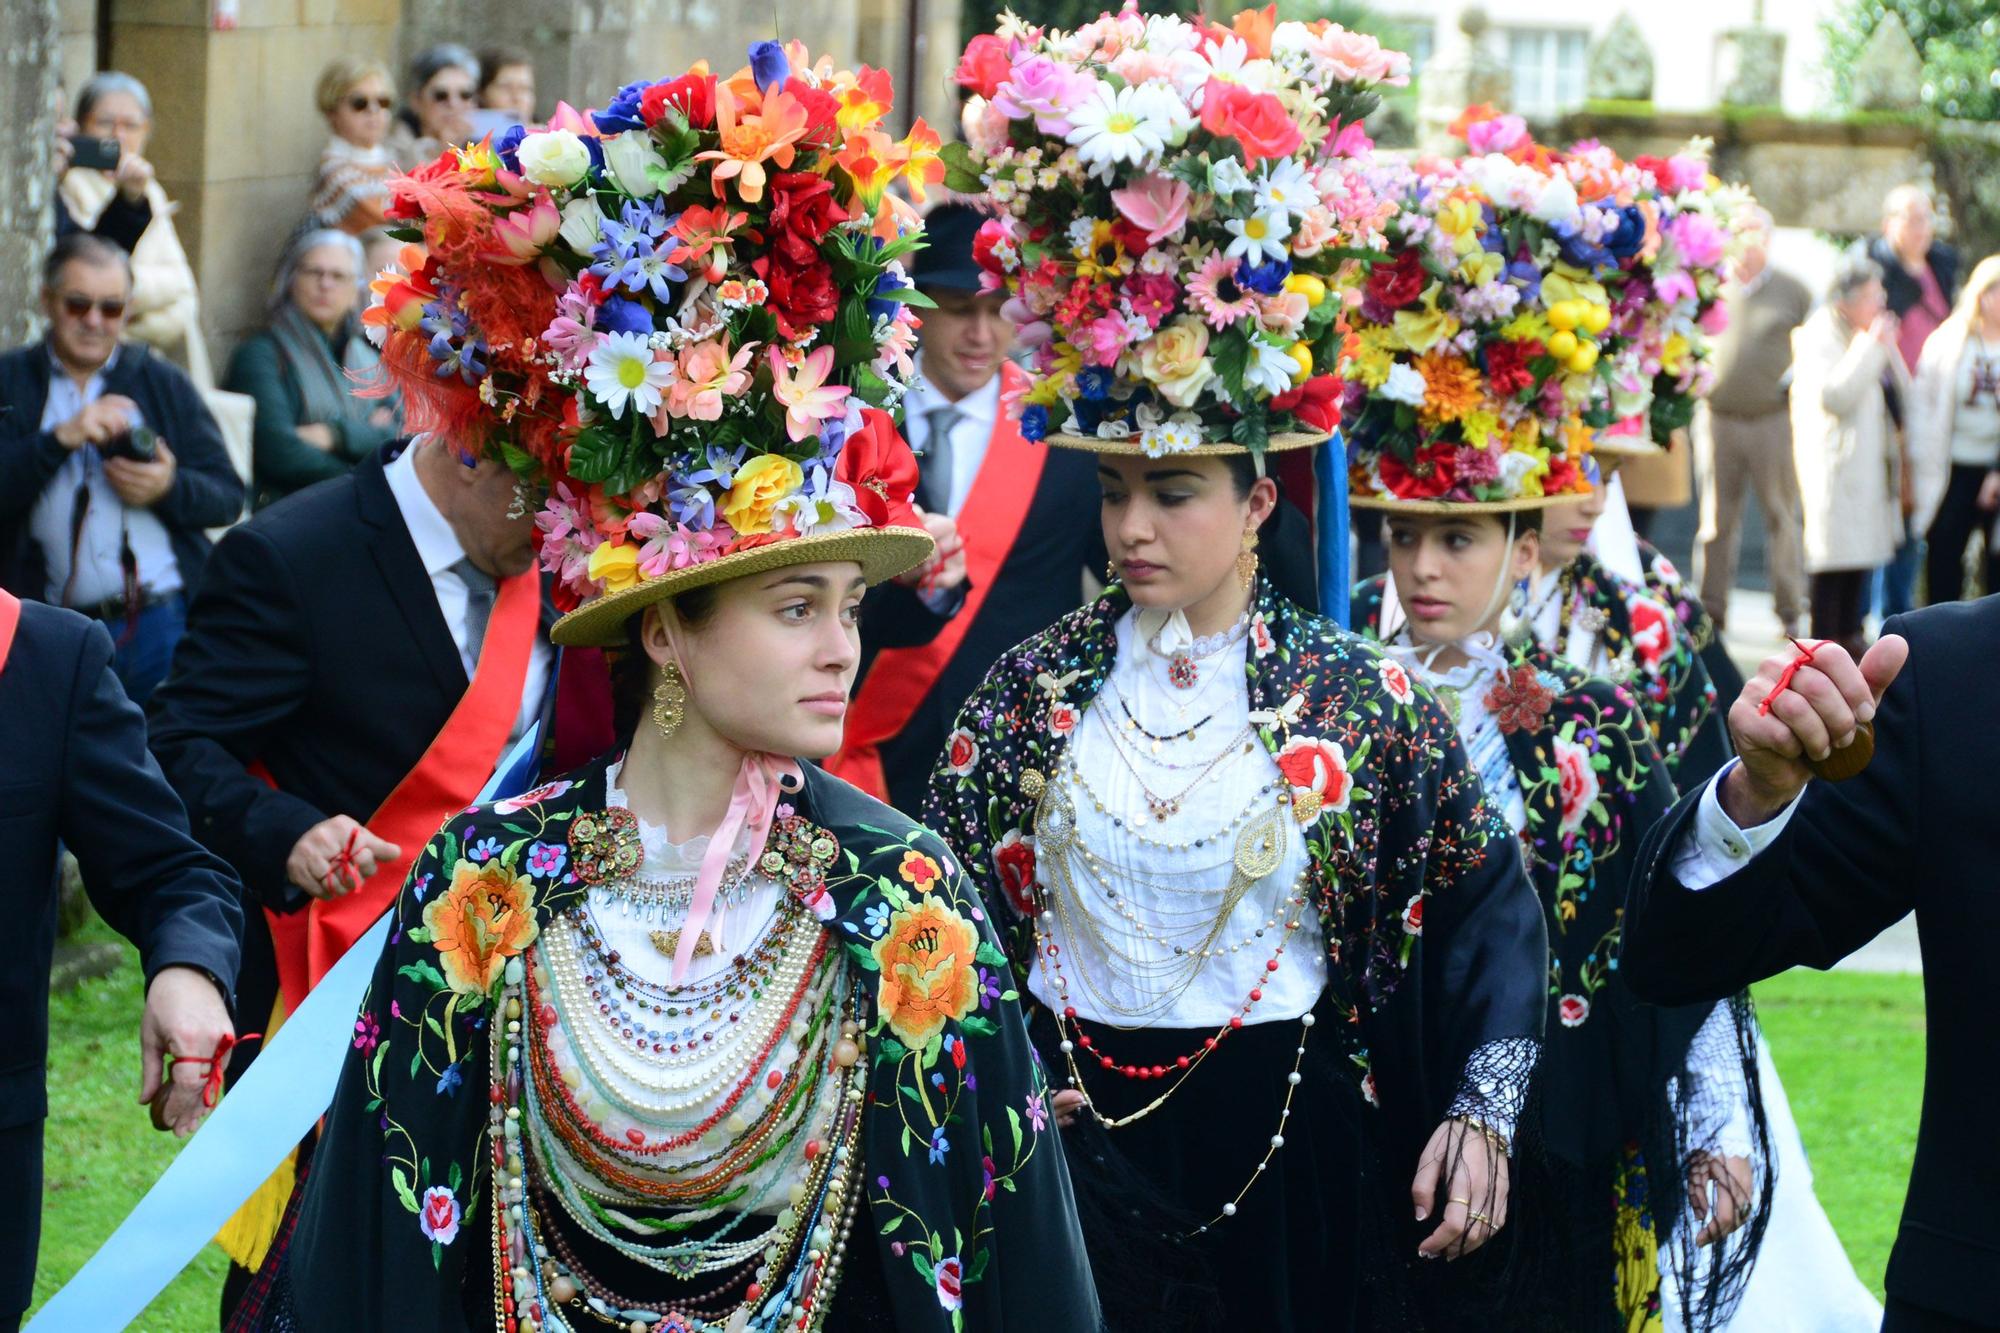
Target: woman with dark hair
pixel 305 368
pixel 442 93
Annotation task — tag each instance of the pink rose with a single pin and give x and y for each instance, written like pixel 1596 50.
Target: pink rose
pixel 950 1280
pixel 1699 241
pixel 1579 784
pixel 1355 57
pixel 516 804
pixel 1103 340
pixel 1572 1010
pixel 1063 719
pixel 1158 205
pixel 1685 172
pixel 1319 768
pixel 1501 134
pixel 1714 320
pixel 1045 90
pixel 1261 641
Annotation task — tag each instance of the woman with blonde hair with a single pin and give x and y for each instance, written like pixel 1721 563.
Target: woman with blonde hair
pixel 1954 430
pixel 351 187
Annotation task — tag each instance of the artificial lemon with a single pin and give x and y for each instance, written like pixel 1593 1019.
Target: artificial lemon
pixel 1562 343
pixel 1596 319
pixel 1565 315
pixel 1302 355
pixel 1582 359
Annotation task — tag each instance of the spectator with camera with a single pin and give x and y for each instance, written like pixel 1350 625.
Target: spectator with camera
pixel 111 467
pixel 128 212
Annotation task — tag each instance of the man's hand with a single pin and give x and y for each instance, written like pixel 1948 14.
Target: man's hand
pixel 1475 1192
pixel 1734 1190
pixel 133 175
pixel 317 434
pixel 186 1018
pixel 1989 492
pixel 1816 714
pixel 945 570
pixel 316 856
pixel 106 419
pixel 141 485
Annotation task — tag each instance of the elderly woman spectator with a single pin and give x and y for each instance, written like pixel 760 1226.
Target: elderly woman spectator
pixel 1844 365
pixel 302 370
pixel 127 214
pixel 351 189
pixel 506 90
pixel 1955 434
pixel 443 91
pixel 165 309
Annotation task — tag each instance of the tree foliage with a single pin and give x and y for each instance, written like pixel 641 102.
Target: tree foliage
pixel 1959 41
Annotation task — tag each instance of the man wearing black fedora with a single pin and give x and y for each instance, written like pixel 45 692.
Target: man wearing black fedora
pixel 1027 516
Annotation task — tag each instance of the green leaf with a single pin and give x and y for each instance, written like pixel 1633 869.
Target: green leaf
pixel 961 168
pixel 418 934
pixel 403 1190
pixel 1014 1123
pixel 889 1227
pixel 423 973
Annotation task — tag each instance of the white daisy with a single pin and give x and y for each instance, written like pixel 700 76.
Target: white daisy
pixel 1258 237
pixel 1123 125
pixel 1271 368
pixel 622 371
pixel 1404 385
pixel 1285 188
pixel 1227 177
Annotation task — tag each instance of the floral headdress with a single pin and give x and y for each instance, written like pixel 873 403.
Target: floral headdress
pixel 1179 211
pixel 682 321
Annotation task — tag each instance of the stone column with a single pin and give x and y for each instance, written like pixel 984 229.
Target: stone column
pixel 30 37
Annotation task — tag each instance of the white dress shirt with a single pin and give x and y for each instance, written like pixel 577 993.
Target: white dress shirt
pixel 1218 991
pixel 100 576
pixel 438 548
pixel 1716 848
pixel 978 411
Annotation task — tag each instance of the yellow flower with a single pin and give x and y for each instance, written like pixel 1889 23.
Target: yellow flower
pixel 1372 358
pixel 926 957
pixel 486 917
pixel 1529 325
pixel 1576 437
pixel 1480 267
pixel 616 566
pixel 759 485
pixel 1451 387
pixel 1673 356
pixel 1527 431
pixel 1424 329
pixel 1564 283
pixel 1175 361
pixel 1478 427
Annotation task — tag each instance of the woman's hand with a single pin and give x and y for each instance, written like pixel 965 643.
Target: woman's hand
pixel 1989 492
pixel 317 434
pixel 1068 1105
pixel 1734 1189
pixel 1471 1170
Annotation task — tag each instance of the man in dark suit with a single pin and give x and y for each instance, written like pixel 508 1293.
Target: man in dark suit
pixel 1027 515
pixel 111 467
pixel 77 771
pixel 1763 869
pixel 333 638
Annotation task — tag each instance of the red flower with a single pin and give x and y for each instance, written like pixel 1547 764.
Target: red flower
pixel 1399 282
pixel 693 94
pixel 1413 916
pixel 801 298
pixel 803 211
pixel 878 464
pixel 1317 768
pixel 1432 472
pixel 1014 862
pixel 1573 1010
pixel 961 752
pixel 1316 403
pixel 1652 632
pixel 991 233
pixel 822 111
pixel 1563 478
pixel 1507 366
pixel 1519 701
pixel 984 66
pixel 1257 121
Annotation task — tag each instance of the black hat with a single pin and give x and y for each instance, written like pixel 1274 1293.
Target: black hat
pixel 945 262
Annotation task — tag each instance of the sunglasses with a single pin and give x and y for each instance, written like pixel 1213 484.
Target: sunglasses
pixel 361 102
pixel 79 306
pixel 451 95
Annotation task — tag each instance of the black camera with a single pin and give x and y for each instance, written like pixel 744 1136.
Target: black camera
pixel 89 151
pixel 141 444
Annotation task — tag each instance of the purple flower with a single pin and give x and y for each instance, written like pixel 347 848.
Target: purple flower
pixel 618 315
pixel 623 111
pixel 989 989
pixel 547 859
pixel 768 65
pixel 636 250
pixel 1038 1112
pixel 367 1033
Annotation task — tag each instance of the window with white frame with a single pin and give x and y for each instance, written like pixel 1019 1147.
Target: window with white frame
pixel 1548 65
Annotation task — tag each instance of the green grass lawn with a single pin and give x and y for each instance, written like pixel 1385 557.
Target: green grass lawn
pixel 1848 1045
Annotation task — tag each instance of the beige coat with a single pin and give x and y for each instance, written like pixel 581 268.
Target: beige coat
pixel 1845 444
pixel 1933 404
pixel 166 311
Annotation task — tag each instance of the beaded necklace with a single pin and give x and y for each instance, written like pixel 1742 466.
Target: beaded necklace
pixel 1183 663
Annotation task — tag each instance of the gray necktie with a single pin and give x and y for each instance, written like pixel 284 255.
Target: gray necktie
pixel 934 479
pixel 479 592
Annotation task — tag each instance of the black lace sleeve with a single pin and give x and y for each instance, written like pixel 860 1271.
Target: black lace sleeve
pixel 1493 1090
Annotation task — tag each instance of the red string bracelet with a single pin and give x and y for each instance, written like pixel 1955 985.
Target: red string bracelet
pixel 343 868
pixel 1804 658
pixel 211 1084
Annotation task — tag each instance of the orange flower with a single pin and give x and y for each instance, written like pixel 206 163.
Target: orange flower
pixel 919 870
pixel 864 100
pixel 927 972
pixel 871 160
pixel 404 293
pixel 1451 387
pixel 486 917
pixel 922 166
pixel 1255 27
pixel 749 140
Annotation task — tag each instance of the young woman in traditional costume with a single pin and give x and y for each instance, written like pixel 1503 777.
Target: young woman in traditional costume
pixel 1569 761
pixel 695 1037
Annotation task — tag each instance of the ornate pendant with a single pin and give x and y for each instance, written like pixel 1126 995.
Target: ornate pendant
pixel 604 845
pixel 1589 619
pixel 1160 807
pixel 1181 671
pixel 668 942
pixel 1260 847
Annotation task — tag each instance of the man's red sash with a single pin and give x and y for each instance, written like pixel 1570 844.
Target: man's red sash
pixel 445 780
pixel 901 677
pixel 10 620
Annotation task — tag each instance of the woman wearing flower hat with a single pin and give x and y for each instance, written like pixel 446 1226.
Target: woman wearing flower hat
pixel 695 1037
pixel 1287 976
pixel 1569 762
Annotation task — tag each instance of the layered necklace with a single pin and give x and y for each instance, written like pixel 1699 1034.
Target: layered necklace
pixel 637 1114
pixel 1184 664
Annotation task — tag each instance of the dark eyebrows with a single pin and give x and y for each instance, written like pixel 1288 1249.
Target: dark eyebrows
pixel 1152 475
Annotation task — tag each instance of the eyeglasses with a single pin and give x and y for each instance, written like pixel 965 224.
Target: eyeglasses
pixel 451 95
pixel 79 306
pixel 326 274
pixel 361 102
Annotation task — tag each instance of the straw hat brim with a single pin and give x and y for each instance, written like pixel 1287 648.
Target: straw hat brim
pixel 1390 504
pixel 882 553
pixel 1130 448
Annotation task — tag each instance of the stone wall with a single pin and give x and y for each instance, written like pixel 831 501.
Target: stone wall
pixel 29 37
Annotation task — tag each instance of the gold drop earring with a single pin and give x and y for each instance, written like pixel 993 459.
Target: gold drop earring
pixel 1246 560
pixel 669 700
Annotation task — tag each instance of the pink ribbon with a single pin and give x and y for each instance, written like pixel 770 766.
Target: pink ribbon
pixel 751 805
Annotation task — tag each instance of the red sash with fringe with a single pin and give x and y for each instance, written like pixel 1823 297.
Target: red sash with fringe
pixel 901 677
pixel 444 781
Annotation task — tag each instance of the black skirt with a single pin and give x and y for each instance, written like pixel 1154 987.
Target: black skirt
pixel 1290 1257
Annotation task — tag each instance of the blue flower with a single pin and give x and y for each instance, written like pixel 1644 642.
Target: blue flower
pixel 1035 423
pixel 768 65
pixel 880 306
pixel 450 1081
pixel 635 250
pixel 547 859
pixel 1094 383
pixel 483 850
pixel 876 919
pixel 508 146
pixel 1625 239
pixel 618 315
pixel 940 1145
pixel 1579 249
pixel 1266 279
pixel 623 111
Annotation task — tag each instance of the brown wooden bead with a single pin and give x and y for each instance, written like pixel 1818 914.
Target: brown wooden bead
pixel 1846 761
